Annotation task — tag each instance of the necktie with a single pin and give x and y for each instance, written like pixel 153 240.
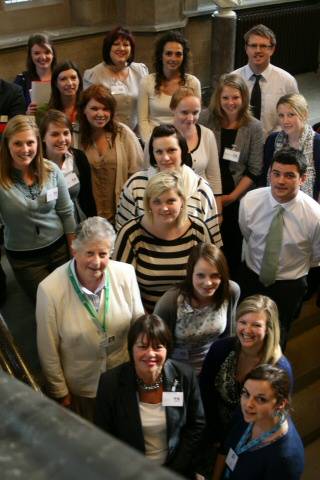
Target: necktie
pixel 270 261
pixel 255 100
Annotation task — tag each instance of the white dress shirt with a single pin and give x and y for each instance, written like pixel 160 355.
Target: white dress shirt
pixel 274 83
pixel 301 232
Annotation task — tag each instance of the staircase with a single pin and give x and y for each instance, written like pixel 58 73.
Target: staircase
pixel 303 351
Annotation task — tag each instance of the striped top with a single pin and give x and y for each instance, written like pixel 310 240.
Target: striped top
pixel 200 199
pixel 159 263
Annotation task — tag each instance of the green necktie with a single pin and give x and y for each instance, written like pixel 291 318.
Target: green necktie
pixel 270 261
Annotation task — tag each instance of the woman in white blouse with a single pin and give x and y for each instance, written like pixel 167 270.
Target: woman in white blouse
pixel 186 107
pixel 170 63
pixel 119 73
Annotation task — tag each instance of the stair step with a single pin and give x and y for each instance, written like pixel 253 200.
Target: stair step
pixel 312 458
pixel 303 353
pixel 306 412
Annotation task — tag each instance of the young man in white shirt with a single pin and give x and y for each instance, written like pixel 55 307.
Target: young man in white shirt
pixel 298 244
pixel 274 82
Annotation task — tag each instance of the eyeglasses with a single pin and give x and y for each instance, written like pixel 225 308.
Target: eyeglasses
pixel 256 46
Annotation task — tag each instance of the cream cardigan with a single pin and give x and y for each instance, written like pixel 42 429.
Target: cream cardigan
pixel 68 340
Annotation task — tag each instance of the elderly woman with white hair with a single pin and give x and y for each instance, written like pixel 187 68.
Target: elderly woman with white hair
pixel 84 311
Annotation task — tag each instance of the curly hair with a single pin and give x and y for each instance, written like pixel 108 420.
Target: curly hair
pixel 170 36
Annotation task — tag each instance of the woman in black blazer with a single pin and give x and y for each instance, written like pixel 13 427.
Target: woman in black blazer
pixel 151 403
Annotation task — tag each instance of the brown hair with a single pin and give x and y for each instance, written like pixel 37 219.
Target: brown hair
pixel 39 167
pixel 180 94
pixel 154 329
pixel 102 95
pixel 217 115
pixel 261 31
pixel 213 255
pixel 53 116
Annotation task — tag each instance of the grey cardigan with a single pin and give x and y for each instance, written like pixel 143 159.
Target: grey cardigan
pixel 249 141
pixel 166 308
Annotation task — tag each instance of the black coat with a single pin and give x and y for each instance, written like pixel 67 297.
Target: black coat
pixel 11 99
pixel 117 412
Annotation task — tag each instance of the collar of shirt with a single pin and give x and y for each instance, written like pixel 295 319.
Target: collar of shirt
pixel 67 165
pixel 97 291
pixel 287 205
pixel 249 73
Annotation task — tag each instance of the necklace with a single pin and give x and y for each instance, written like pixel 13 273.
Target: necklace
pixel 150 386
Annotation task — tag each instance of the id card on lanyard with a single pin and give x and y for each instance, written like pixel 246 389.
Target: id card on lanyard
pixel 94 315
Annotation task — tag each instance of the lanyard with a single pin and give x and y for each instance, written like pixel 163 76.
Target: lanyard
pixel 88 304
pixel 244 445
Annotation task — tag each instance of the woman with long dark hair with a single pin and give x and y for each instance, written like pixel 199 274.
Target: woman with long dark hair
pixel 171 61
pixel 41 60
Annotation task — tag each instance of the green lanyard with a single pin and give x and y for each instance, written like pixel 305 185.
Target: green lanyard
pixel 88 304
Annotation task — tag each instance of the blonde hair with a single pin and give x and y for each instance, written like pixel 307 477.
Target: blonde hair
pixel 217 115
pixel 39 167
pixel 298 104
pixel 180 94
pixel 271 351
pixel 160 183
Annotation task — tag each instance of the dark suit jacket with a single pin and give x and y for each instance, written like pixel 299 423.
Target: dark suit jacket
pixel 11 99
pixel 117 412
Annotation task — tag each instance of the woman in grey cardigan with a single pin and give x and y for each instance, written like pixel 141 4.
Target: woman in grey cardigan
pixel 202 308
pixel 239 139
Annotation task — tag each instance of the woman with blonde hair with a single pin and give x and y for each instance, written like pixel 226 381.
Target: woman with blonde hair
pixel 113 150
pixel 239 138
pixel 35 206
pixel 230 359
pixel 186 107
pixel 168 150
pixel 158 243
pixel 295 131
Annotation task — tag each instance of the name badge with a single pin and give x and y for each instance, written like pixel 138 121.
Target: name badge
pixel 180 354
pixel 118 89
pixel 231 155
pixel 71 179
pixel 4 118
pixel 106 342
pixel 52 194
pixel 231 459
pixel 172 399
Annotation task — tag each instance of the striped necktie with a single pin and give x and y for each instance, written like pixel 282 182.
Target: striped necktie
pixel 270 260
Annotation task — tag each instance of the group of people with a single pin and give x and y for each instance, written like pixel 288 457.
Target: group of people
pixel 165 280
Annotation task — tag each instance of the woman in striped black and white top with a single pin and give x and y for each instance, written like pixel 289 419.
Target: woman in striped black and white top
pixel 158 243
pixel 168 150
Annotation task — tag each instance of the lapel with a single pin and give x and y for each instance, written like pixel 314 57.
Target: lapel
pixel 129 408
pixel 174 415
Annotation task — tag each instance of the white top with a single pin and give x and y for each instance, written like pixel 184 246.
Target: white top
pixel 153 108
pixel 205 159
pixel 274 83
pixel 301 234
pixel 154 427
pixel 125 91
